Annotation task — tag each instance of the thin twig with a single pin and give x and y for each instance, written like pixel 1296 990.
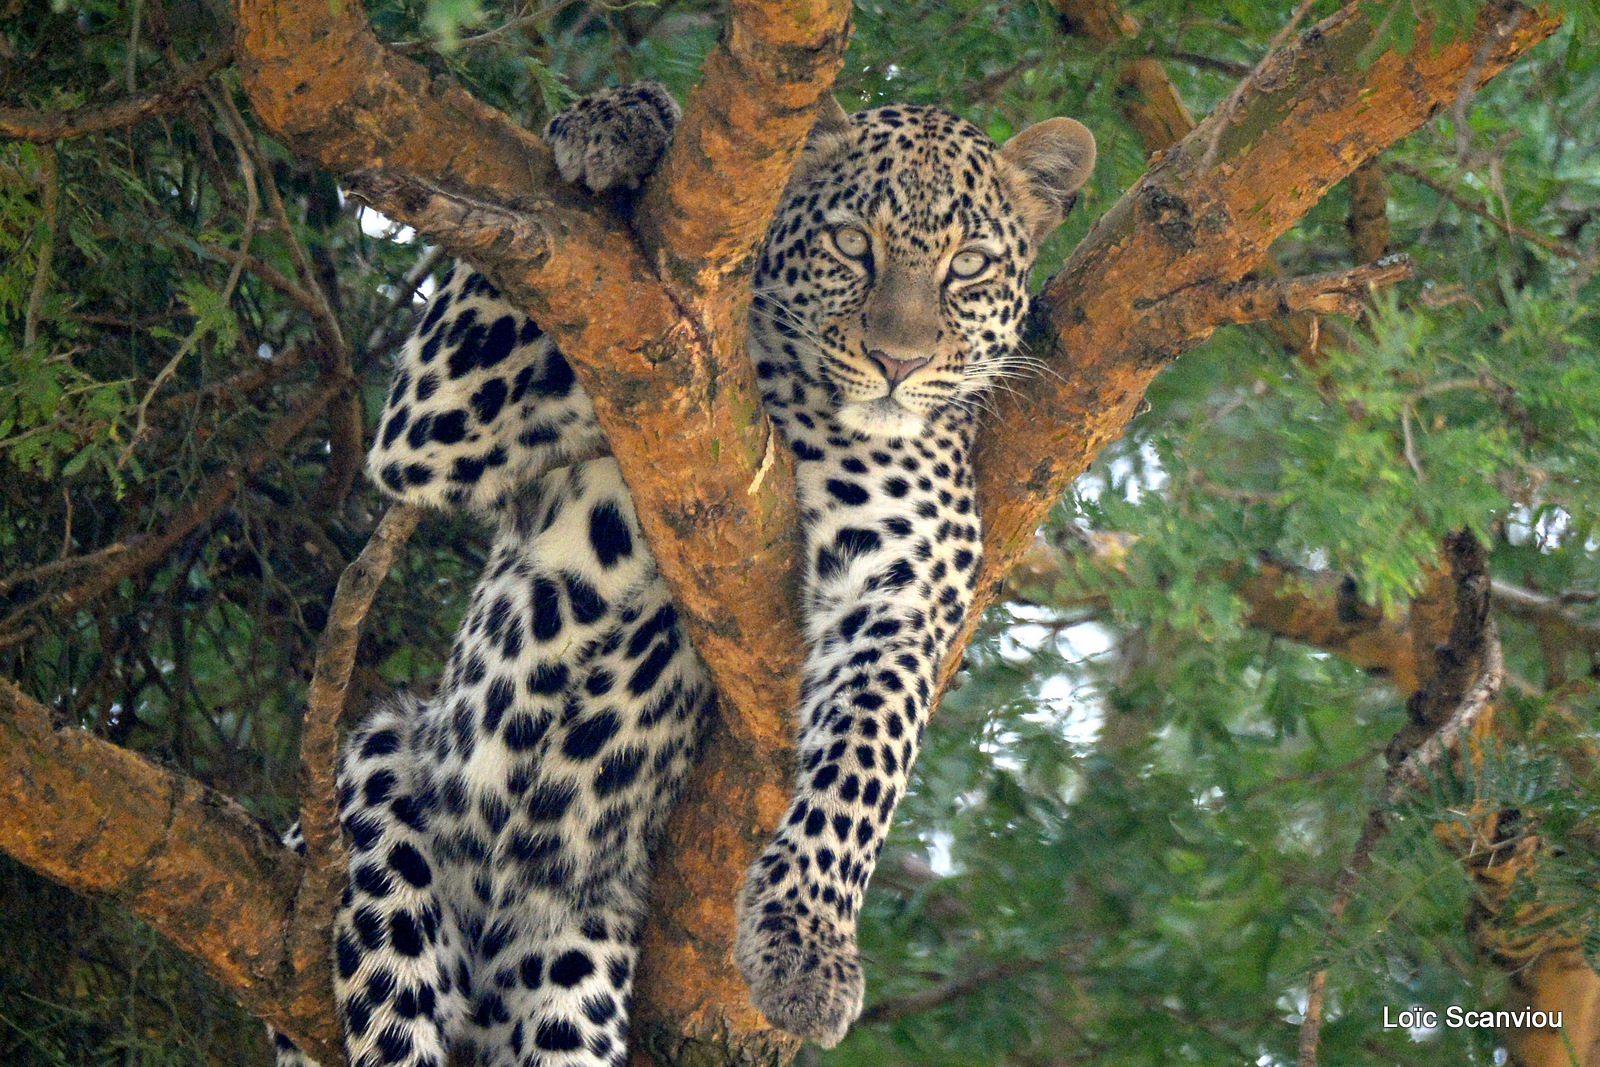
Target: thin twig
pixel 970 981
pixel 423 44
pixel 121 561
pixel 381 341
pixel 45 127
pixel 1410 443
pixel 344 420
pixel 66 531
pixel 59 566
pixel 1469 80
pixel 402 296
pixel 1205 62
pixel 1317 777
pixel 132 65
pixel 260 268
pixel 238 385
pixel 121 322
pixel 986 90
pixel 1549 244
pixel 50 207
pixel 245 141
pixel 1547 610
pixel 247 170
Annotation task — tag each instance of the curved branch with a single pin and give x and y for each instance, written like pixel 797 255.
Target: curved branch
pixel 22 124
pixel 324 875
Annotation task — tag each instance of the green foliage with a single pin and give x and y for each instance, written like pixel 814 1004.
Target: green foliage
pixel 1136 805
pixel 54 419
pixel 122 997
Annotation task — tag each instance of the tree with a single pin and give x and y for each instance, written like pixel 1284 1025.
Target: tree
pixel 206 506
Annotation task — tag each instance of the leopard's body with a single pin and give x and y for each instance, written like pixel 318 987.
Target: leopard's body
pixel 500 833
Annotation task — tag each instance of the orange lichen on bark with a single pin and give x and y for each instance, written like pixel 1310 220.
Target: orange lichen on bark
pixel 688 989
pixel 706 209
pixel 665 364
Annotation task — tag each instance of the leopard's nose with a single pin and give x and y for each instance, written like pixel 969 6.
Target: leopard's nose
pixel 896 370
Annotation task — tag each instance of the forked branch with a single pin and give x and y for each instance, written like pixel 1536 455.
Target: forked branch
pixel 1197 311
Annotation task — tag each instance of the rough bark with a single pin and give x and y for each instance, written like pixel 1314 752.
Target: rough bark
pixel 680 410
pixel 661 354
pixel 1369 212
pixel 98 818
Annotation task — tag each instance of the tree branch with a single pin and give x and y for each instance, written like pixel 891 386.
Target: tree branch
pixel 1548 611
pixel 1471 207
pixel 1468 672
pixel 124 559
pixel 1368 220
pixel 21 124
pixel 706 210
pixel 648 353
pixel 973 979
pixel 1322 609
pixel 1311 119
pixel 325 873
pixel 1152 106
pixel 99 819
pixel 1198 311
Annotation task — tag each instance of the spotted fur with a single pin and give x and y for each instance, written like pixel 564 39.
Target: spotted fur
pixel 500 833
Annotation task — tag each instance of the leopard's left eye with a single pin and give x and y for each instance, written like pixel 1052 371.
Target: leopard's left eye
pixel 968 264
pixel 852 242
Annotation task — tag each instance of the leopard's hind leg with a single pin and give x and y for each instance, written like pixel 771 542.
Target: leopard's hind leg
pixel 396 949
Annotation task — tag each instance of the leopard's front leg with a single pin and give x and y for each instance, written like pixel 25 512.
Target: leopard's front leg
pixel 892 556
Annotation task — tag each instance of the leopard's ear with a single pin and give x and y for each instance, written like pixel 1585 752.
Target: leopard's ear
pixel 830 118
pixel 1050 161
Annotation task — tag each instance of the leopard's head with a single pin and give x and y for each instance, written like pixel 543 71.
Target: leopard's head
pixel 895 271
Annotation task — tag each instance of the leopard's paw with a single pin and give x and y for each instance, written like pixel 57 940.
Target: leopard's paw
pixel 803 970
pixel 615 138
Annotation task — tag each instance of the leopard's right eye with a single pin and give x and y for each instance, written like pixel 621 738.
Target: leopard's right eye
pixel 851 242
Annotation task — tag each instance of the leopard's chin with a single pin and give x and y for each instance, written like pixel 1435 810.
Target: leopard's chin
pixel 883 417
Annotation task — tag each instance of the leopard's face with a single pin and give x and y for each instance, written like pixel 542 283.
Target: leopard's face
pixel 895 271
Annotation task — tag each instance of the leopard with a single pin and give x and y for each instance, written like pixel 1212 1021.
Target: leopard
pixel 500 832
